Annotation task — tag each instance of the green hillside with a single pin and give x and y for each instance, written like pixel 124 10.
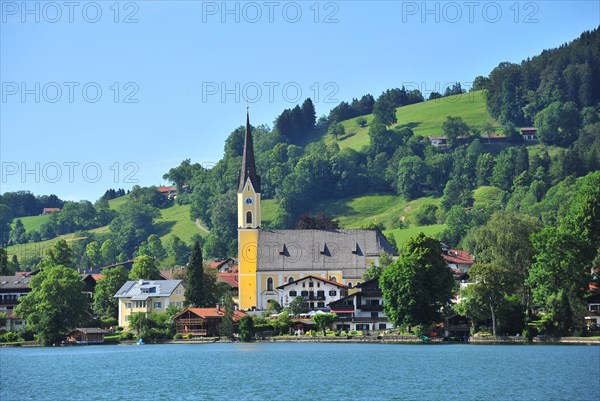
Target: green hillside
pixel 361 211
pixel 32 222
pixel 424 118
pixel 174 220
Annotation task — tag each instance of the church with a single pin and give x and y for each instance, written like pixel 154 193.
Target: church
pixel 271 258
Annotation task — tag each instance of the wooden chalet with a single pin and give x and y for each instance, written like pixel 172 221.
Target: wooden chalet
pixel 203 321
pixel 86 336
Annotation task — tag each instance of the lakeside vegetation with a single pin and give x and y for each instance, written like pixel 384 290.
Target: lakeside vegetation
pixel 527 211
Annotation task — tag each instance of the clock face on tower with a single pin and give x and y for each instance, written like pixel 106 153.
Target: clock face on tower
pixel 248 201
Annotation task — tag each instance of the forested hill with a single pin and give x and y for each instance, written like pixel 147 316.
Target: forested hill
pixel 370 161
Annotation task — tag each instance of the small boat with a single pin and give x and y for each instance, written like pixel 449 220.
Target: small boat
pixel 140 342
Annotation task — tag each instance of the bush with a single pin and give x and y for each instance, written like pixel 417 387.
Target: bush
pixel 188 336
pixel 426 215
pixel 126 336
pixel 337 333
pixel 112 339
pixel 362 122
pixel 10 337
pixel 177 336
pixel 106 322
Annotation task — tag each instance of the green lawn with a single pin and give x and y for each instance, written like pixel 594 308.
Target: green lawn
pixel 403 234
pixel 32 222
pixel 176 219
pixel 486 196
pixel 360 211
pixel 37 248
pixel 268 210
pixel 116 203
pixel 424 118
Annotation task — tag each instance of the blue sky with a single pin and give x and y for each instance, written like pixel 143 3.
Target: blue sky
pixel 106 94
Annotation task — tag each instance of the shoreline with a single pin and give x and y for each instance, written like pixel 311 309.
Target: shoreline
pixel 364 340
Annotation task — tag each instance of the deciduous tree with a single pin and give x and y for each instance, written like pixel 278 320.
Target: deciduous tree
pixel 144 268
pixel 418 285
pixel 55 304
pixel 324 320
pixel 105 303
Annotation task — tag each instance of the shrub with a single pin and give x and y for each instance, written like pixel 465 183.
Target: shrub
pixel 126 336
pixel 106 322
pixel 337 333
pixel 362 122
pixel 10 337
pixel 177 336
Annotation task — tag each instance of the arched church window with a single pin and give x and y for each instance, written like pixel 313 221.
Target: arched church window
pixel 248 217
pixel 270 284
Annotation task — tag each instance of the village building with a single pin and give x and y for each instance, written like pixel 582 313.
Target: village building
pixel 204 322
pixel 169 192
pixel 457 260
pixel 86 336
pixel 271 258
pixel 148 296
pixel 362 310
pixel 50 210
pixel 529 133
pixel 317 292
pixel 222 265
pixel 11 289
pixel 90 281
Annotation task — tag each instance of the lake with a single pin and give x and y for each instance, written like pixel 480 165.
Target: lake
pixel 301 371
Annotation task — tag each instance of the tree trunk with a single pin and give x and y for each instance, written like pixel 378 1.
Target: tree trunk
pixel 493 320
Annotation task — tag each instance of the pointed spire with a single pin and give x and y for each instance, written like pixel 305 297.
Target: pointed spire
pixel 248 164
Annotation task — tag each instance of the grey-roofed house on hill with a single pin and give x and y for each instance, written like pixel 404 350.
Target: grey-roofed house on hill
pixel 148 296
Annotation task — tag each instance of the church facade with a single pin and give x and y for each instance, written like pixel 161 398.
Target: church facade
pixel 271 258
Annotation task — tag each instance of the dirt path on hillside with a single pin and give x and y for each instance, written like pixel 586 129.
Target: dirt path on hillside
pixel 201 227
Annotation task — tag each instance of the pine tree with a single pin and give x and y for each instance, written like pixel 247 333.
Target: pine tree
pixel 194 292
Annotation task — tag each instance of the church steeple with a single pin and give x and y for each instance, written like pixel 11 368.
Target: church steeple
pixel 248 164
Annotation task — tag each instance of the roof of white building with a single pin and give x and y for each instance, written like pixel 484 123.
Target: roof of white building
pixel 143 289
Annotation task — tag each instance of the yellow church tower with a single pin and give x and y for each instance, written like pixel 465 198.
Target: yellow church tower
pixel 248 197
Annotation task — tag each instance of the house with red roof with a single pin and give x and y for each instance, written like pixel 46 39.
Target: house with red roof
pixel 170 192
pixel 458 260
pixel 203 322
pixel 222 265
pixel 50 210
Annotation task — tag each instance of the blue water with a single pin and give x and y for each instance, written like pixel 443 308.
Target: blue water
pixel 296 371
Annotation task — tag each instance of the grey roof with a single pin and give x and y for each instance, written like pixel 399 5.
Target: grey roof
pixel 14 283
pixel 133 289
pixel 345 250
pixel 89 330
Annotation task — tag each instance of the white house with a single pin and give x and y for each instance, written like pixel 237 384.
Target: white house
pixel 316 291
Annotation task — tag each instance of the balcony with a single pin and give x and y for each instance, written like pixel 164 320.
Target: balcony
pixel 314 298
pixel 9 301
pixel 371 308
